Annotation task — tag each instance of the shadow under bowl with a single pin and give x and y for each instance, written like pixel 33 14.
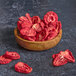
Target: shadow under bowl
pixel 37 45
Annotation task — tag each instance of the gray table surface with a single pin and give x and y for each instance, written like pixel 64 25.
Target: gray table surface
pixel 41 62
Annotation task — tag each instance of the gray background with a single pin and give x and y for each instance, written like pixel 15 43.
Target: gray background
pixel 41 62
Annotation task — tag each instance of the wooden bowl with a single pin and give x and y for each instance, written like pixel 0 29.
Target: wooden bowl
pixel 37 45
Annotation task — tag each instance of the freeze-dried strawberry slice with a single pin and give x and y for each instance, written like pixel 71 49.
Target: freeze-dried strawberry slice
pixel 58 26
pixel 12 55
pixel 28 17
pixel 19 25
pixel 36 27
pixel 68 55
pixel 28 32
pixel 50 17
pixel 23 68
pixel 52 34
pixel 59 60
pixel 42 24
pixel 26 24
pixel 36 19
pixel 4 60
pixel 22 18
pixel 41 36
pixel 29 38
pixel 54 56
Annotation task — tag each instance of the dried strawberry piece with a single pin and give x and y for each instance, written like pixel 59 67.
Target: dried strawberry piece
pixel 36 19
pixel 54 56
pixel 19 25
pixel 23 68
pixel 58 26
pixel 59 60
pixel 50 17
pixel 52 35
pixel 69 56
pixel 36 27
pixel 26 24
pixel 12 55
pixel 62 58
pixel 42 24
pixel 28 17
pixel 29 38
pixel 41 36
pixel 28 32
pixel 22 18
pixel 4 60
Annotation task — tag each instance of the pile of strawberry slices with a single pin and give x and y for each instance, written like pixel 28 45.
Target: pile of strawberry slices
pixel 36 29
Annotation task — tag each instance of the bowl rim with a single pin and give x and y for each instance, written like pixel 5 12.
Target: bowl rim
pixel 16 34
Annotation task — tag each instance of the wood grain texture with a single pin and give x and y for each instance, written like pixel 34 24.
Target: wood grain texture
pixel 37 45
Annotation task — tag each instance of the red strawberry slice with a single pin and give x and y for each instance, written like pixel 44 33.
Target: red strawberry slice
pixel 19 25
pixel 36 19
pixel 29 38
pixel 58 26
pixel 23 68
pixel 26 24
pixel 50 17
pixel 59 60
pixel 42 24
pixel 4 60
pixel 28 17
pixel 54 56
pixel 36 27
pixel 41 36
pixel 22 18
pixel 69 56
pixel 52 34
pixel 28 32
pixel 12 55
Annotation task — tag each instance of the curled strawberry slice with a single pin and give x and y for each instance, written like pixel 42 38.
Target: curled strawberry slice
pixel 28 32
pixel 19 25
pixel 58 26
pixel 29 38
pixel 12 55
pixel 23 68
pixel 50 17
pixel 41 36
pixel 42 24
pixel 26 24
pixel 52 34
pixel 59 60
pixel 4 60
pixel 69 56
pixel 36 19
pixel 22 18
pixel 28 17
pixel 36 27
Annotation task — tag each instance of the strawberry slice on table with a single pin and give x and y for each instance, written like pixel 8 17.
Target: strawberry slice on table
pixel 4 60
pixel 59 60
pixel 12 55
pixel 69 56
pixel 50 17
pixel 23 68
pixel 64 57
